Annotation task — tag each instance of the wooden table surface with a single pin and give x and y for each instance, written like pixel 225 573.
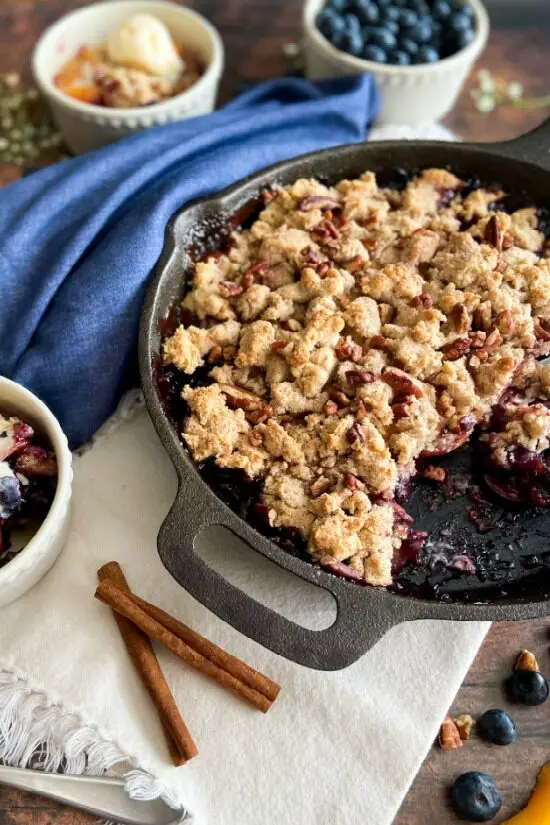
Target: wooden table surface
pixel 255 32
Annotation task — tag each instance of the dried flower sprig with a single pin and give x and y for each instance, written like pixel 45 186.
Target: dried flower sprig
pixel 492 92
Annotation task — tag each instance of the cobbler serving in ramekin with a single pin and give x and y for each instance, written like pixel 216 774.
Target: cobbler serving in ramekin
pixel 351 336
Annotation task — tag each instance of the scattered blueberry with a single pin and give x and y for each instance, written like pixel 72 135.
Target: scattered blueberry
pixel 330 23
pixel 380 36
pixel 476 797
pixel 527 687
pixel 352 23
pixel 407 18
pixel 391 13
pixel 352 42
pixel 375 53
pixel 368 13
pixel 426 54
pixel 460 22
pixel 399 58
pixel 497 726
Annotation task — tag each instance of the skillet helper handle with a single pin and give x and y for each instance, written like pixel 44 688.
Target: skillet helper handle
pixel 533 147
pixel 354 631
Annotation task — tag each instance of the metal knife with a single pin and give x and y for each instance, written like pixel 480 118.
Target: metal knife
pixel 102 796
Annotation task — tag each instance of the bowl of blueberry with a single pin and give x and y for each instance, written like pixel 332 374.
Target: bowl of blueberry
pixel 418 51
pixel 35 490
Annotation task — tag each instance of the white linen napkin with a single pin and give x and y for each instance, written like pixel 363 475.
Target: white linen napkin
pixel 336 747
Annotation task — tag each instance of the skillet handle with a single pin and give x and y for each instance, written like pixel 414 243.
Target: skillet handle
pixel 360 620
pixel 533 147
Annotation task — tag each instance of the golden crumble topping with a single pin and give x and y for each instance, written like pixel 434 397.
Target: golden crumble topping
pixel 353 329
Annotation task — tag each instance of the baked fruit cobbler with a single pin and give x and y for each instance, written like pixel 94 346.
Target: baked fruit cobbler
pixel 28 478
pixel 352 335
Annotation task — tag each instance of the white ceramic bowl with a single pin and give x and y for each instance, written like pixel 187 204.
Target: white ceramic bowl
pixel 410 94
pixel 85 126
pixel 39 554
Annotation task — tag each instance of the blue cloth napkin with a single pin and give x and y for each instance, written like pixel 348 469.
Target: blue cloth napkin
pixel 78 240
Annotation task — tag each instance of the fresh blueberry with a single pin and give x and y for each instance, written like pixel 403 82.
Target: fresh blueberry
pixel 427 54
pixel 10 492
pixel 330 23
pixel 380 36
pixel 476 797
pixel 497 726
pixel 367 12
pixel 408 18
pixel 420 7
pixel 339 6
pixel 460 22
pixel 462 39
pixel 383 4
pixel 352 42
pixel 375 53
pixel 391 13
pixel 409 46
pixel 399 58
pixel 392 26
pixel 465 9
pixel 352 23
pixel 527 687
pixel 441 10
pixel 421 32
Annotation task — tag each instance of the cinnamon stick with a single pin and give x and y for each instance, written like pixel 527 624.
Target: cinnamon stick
pixel 179 740
pixel 125 605
pixel 236 667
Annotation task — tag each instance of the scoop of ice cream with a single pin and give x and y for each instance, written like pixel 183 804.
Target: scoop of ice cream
pixel 143 42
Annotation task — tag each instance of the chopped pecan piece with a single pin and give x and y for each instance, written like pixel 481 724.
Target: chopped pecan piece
pixel 358 377
pixel 461 318
pixel 228 289
pixel 378 342
pixel 433 473
pixel 456 349
pixel 477 339
pixel 324 202
pixel 323 269
pixel 268 195
pixel 347 350
pixel 401 409
pixel 540 333
pixel 505 322
pixel 259 416
pixel 326 230
pixel 493 340
pixel 449 736
pixel 247 280
pixel 527 661
pixel 278 346
pixel 507 241
pixel 493 234
pixel 353 483
pixel 422 301
pixel 386 312
pixel 258 268
pixel 320 485
pixel 355 435
pixel 339 398
pixel 238 398
pixel 464 724
pixel 482 316
pixel 360 410
pixel 330 408
pixel 229 352
pixel 255 438
pixel 355 264
pixel 215 355
pixel 312 255
pixel 401 382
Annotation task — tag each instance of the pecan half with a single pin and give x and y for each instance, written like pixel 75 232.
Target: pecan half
pixel 456 349
pixel 241 399
pixel 493 234
pixel 311 202
pixel 355 435
pixel 401 382
pixel 401 409
pixel 353 483
pixel 423 301
pixel 228 289
pixel 358 377
pixel 347 350
pixel 449 736
pixel 527 661
pixel 461 318
pixel 505 322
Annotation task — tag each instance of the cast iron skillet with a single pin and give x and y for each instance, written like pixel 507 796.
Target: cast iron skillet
pixel 364 613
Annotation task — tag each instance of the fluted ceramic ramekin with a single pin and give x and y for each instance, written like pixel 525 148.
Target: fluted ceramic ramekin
pixel 85 126
pixel 409 94
pixel 39 554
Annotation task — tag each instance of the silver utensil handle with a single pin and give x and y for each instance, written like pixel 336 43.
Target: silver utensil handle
pixel 102 796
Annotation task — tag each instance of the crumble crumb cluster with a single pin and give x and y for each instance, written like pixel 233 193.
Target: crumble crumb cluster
pixel 351 331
